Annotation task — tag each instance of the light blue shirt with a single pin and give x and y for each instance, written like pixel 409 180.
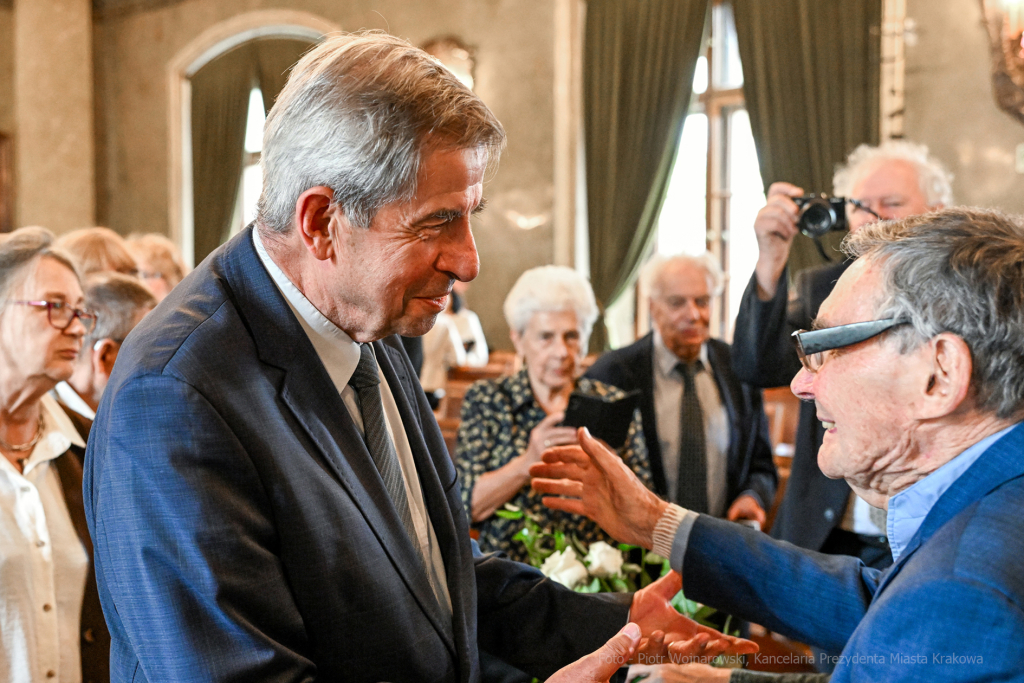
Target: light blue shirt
pixel 909 507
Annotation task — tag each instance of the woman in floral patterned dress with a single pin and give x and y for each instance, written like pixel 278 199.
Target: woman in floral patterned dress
pixel 508 422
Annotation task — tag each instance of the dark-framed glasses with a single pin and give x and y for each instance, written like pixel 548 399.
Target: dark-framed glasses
pixel 62 314
pixel 812 345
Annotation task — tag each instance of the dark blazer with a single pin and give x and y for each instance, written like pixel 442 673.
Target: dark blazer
pixel 750 466
pixel 243 532
pixel 95 639
pixel 956 591
pixel 763 355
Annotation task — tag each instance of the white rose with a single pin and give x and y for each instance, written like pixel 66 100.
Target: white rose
pixel 564 568
pixel 603 560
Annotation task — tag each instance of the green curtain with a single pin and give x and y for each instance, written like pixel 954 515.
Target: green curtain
pixel 811 73
pixel 638 63
pixel 220 105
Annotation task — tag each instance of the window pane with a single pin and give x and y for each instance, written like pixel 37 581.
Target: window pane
pixel 747 199
pixel 252 185
pixel 726 72
pixel 682 225
pixel 700 76
pixel 254 125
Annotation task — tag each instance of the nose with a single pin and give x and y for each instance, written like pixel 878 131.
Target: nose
pixel 802 385
pixel 459 257
pixel 76 328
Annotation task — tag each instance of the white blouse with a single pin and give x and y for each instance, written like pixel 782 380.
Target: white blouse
pixel 43 565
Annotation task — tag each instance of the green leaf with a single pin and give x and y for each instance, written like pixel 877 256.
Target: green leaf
pixel 509 514
pixel 593 587
pixel 625 547
pixel 654 558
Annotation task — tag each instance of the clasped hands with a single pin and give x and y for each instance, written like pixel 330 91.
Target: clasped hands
pixel 591 480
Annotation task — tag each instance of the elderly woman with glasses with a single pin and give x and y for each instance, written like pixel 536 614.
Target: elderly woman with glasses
pixel 49 610
pixel 507 423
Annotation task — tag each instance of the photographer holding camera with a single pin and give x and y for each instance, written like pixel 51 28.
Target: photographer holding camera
pixel 894 180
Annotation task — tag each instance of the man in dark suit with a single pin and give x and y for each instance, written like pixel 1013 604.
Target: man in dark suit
pixel 895 180
pixel 916 368
pixel 721 460
pixel 270 496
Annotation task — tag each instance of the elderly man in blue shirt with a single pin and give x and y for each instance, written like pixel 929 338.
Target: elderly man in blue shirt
pixel 916 369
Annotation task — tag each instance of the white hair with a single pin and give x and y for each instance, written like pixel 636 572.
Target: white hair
pixel 651 276
pixel 355 116
pixel 548 289
pixel 934 179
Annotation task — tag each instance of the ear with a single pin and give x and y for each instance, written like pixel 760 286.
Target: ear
pixel 314 212
pixel 104 354
pixel 949 382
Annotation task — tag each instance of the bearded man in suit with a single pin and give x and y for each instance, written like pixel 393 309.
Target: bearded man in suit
pixel 270 495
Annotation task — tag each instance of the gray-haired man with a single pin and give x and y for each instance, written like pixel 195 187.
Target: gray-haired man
pixel 296 515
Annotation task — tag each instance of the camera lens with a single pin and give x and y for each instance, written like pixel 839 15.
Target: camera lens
pixel 817 219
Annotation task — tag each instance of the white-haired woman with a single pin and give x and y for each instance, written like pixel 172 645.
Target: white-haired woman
pixel 49 609
pixel 507 423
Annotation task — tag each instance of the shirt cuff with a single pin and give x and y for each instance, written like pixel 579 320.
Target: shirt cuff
pixel 672 533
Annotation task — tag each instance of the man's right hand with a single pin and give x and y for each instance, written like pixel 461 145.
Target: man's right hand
pixel 775 228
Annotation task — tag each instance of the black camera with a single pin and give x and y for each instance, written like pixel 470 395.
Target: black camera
pixel 820 214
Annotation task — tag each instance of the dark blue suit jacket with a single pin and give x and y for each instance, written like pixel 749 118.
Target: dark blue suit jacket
pixel 243 533
pixel 957 591
pixel 750 466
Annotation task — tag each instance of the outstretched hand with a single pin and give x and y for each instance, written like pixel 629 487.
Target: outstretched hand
pixel 591 480
pixel 684 639
pixel 599 666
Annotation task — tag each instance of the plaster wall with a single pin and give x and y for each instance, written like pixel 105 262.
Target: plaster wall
pixel 6 70
pixel 514 41
pixel 949 104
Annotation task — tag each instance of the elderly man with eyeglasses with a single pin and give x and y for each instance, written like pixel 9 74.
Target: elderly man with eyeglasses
pixel 916 370
pixel 894 180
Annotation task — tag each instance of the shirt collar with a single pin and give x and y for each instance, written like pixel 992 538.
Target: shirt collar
pixel 909 508
pixel 339 354
pixel 59 434
pixel 665 361
pixel 71 398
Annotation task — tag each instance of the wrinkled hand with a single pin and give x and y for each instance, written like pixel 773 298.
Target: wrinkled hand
pixel 684 638
pixel 746 507
pixel 599 666
pixel 775 228
pixel 680 673
pixel 548 434
pixel 596 483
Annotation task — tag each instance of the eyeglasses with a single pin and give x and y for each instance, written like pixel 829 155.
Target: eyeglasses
pixel 863 207
pixel 61 314
pixel 812 345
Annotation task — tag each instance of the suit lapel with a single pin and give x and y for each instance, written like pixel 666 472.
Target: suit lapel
pixel 317 406
pixel 996 466
pixel 645 383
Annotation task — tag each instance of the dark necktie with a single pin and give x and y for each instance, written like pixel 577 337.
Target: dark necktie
pixel 366 381
pixel 692 488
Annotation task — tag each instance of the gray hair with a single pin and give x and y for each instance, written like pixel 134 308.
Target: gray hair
pixel 21 248
pixel 932 176
pixel 655 269
pixel 547 289
pixel 356 115
pixel 960 271
pixel 116 300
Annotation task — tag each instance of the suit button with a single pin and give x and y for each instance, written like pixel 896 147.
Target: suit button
pixel 51 673
pixel 88 636
pixel 47 607
pixel 830 514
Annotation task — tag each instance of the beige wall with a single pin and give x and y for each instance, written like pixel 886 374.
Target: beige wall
pixel 6 70
pixel 950 106
pixel 515 47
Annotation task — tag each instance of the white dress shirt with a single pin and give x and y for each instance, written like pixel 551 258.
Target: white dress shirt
pixel 668 405
pixel 340 356
pixel 43 565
